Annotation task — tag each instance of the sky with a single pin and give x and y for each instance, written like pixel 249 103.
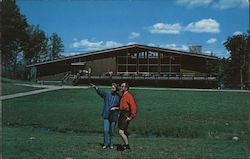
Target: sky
pixel 89 25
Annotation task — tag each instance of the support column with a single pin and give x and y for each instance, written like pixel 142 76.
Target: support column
pixel 147 61
pixel 116 63
pixel 33 72
pixel 127 61
pixel 159 65
pixel 137 63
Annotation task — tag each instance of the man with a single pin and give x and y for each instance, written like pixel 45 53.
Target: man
pixel 110 116
pixel 128 110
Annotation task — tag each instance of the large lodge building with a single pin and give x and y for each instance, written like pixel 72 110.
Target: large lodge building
pixel 137 64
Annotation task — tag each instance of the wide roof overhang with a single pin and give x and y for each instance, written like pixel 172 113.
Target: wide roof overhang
pixel 133 46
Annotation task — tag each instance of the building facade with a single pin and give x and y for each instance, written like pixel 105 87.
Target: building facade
pixel 132 60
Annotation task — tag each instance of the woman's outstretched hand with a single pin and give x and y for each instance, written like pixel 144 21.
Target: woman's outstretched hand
pixel 92 85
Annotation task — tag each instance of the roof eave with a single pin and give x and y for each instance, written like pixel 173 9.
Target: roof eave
pixel 125 47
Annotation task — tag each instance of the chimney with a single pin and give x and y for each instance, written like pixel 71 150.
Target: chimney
pixel 197 49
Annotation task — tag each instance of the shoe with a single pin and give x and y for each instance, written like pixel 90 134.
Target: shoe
pixel 104 147
pixel 124 147
pixel 111 147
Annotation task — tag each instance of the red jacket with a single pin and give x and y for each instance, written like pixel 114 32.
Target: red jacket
pixel 127 103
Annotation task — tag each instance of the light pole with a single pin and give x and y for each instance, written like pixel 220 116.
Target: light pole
pixel 248 43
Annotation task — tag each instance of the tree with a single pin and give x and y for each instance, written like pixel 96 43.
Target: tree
pixel 238 47
pixel 36 47
pixel 223 73
pixel 212 67
pixel 55 46
pixel 21 43
pixel 13 29
pixel 248 57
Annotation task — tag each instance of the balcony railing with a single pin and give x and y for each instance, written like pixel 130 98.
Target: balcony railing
pixel 154 76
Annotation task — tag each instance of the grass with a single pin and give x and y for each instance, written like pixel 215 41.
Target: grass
pixel 23 143
pixel 172 124
pixel 171 113
pixel 10 87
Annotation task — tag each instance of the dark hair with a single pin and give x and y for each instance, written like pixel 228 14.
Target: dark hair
pixel 127 85
pixel 116 86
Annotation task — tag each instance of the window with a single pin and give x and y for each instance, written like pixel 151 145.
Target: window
pixel 132 69
pixel 143 68
pixel 121 68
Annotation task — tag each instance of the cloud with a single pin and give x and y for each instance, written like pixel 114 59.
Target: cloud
pixel 211 41
pixel 218 4
pixel 175 47
pixel 223 41
pixel 72 53
pixel 131 43
pixel 87 45
pixel 110 44
pixel 204 25
pixel 134 35
pixel 208 51
pixel 238 33
pixel 151 44
pixel 161 28
pixel 218 53
pixel 194 3
pixel 227 4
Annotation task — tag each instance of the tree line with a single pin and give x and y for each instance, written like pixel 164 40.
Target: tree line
pixel 23 43
pixel 233 71
pixel 236 68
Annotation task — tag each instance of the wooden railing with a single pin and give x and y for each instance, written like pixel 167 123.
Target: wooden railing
pixel 155 77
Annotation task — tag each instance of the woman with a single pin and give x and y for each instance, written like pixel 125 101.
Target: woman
pixel 111 100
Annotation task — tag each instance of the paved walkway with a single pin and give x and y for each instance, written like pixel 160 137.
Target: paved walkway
pixel 46 89
pixel 27 93
pixel 52 86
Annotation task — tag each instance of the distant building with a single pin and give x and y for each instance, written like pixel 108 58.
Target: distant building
pixel 127 61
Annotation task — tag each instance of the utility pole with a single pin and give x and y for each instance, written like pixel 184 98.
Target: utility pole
pixel 248 47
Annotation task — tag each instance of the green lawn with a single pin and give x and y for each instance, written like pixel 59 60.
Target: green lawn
pixel 10 87
pixel 30 143
pixel 185 124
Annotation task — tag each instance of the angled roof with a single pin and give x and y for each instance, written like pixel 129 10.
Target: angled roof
pixel 152 48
